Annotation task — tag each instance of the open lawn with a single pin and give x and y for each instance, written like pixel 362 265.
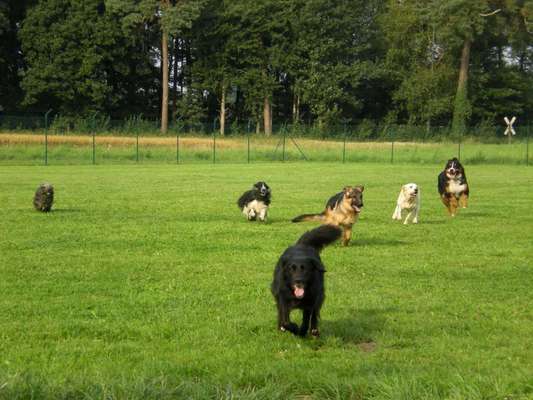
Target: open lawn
pixel 147 282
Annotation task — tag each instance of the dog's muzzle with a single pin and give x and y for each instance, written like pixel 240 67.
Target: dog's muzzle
pixel 298 290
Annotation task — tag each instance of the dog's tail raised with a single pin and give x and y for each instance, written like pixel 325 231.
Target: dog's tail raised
pixel 309 217
pixel 320 237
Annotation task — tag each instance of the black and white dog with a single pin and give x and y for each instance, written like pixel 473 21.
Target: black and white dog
pixel 254 203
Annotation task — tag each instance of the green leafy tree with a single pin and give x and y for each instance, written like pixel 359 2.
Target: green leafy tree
pixel 11 57
pixel 334 56
pixel 256 39
pixel 78 60
pixel 171 17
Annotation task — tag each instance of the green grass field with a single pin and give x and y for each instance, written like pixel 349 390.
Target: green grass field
pixel 147 282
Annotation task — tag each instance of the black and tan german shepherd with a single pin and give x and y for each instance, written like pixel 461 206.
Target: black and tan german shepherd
pixel 341 210
pixel 453 187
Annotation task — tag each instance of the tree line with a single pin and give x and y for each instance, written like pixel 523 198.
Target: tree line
pixel 419 62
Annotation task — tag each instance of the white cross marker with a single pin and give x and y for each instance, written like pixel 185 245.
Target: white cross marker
pixel 509 129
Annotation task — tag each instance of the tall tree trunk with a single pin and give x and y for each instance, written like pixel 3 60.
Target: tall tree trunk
pixel 465 62
pixel 164 83
pixel 223 109
pixel 267 116
pixel 183 60
pixel 296 109
pixel 175 81
pixel 461 106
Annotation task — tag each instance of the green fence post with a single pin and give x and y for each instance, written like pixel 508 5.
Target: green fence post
pixel 137 147
pixel 248 139
pixel 344 146
pixel 94 147
pixel 177 148
pixel 283 151
pixel 214 147
pixel 527 145
pixel 93 128
pixel 392 147
pixel 46 136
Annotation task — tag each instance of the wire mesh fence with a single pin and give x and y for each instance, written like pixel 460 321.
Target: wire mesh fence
pixel 39 140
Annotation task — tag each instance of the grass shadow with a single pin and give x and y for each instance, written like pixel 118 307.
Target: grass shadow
pixel 474 214
pixel 358 330
pixel 433 222
pixel 375 241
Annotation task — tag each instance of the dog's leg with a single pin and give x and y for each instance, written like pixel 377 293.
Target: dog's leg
pixel 251 214
pixel 453 205
pixel 463 200
pixel 263 215
pixel 447 202
pixel 415 219
pixel 314 323
pixel 409 215
pixel 284 321
pixel 305 322
pixel 346 235
pixel 397 212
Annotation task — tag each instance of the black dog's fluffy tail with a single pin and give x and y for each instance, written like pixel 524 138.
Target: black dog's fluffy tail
pixel 308 217
pixel 320 237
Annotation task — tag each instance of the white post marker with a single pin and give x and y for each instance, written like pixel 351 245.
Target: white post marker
pixel 509 131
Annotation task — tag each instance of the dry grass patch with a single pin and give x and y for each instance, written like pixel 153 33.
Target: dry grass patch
pixel 196 142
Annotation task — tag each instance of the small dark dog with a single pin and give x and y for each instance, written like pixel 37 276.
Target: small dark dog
pixel 44 197
pixel 254 203
pixel 453 187
pixel 299 280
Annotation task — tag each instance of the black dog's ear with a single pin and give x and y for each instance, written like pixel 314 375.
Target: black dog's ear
pixel 319 266
pixel 284 261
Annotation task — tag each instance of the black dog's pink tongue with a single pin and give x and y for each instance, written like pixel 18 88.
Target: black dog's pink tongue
pixel 298 292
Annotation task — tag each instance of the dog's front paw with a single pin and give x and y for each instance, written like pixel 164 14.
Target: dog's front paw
pixel 315 332
pixel 415 221
pixel 291 327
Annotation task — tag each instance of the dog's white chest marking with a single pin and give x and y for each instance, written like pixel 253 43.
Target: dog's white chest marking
pixel 255 208
pixel 408 203
pixel 455 187
pixel 256 205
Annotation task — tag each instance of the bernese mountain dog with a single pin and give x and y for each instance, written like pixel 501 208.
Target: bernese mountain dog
pixel 254 203
pixel 341 210
pixel 453 187
pixel 298 280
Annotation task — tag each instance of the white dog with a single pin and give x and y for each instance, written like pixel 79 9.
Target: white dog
pixel 409 199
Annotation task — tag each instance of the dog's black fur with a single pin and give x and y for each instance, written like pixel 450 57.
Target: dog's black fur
pixel 299 280
pixel 44 197
pixel 260 192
